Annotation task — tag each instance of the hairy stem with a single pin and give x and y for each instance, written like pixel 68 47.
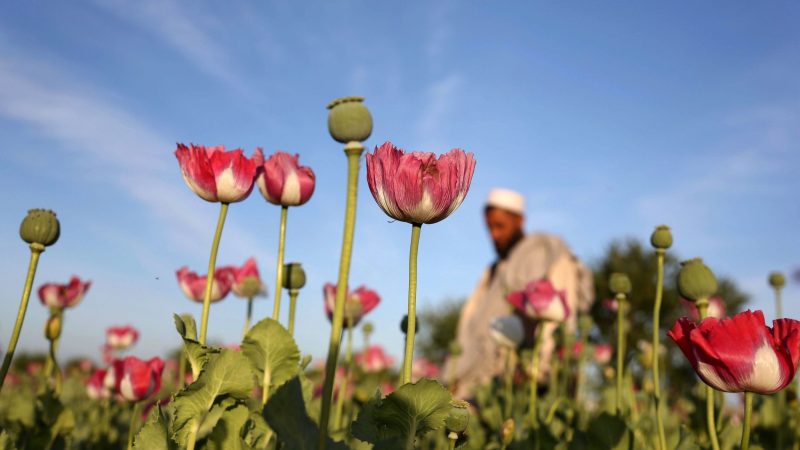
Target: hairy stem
pixel 662 437
pixel 276 309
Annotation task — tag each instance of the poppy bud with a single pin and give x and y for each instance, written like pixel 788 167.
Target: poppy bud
pixel 349 120
pixel 777 280
pixel 508 431
pixel 458 417
pixel 368 328
pixel 661 238
pixel 585 323
pixel 404 325
pixel 40 227
pixel 619 283
pixel 52 328
pixel 696 280
pixel 294 277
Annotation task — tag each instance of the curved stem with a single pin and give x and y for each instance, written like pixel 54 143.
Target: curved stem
pixel 353 151
pixel 534 394
pixel 248 317
pixel 212 261
pixel 748 411
pixel 134 422
pixel 620 350
pixel 292 305
pixel 662 437
pixel 412 303
pixel 276 309
pixel 702 309
pixel 36 250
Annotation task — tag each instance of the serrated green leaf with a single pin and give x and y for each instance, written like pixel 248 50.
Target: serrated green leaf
pixel 154 435
pixel 364 427
pixel 272 352
pixel 226 373
pixel 195 352
pixel 256 431
pixel 413 410
pixel 286 415
pixel 227 434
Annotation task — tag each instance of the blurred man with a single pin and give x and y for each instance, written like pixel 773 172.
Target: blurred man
pixel 520 259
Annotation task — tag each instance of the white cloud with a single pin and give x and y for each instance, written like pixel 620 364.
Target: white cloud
pixel 128 152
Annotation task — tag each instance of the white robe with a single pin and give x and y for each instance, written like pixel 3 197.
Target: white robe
pixel 535 257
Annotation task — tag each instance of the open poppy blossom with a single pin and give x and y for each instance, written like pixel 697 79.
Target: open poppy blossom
pixel 741 353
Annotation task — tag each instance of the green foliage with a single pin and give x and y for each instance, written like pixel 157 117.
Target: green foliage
pixel 438 328
pixel 154 435
pixel 272 353
pixel 226 374
pixel 195 352
pixel 286 414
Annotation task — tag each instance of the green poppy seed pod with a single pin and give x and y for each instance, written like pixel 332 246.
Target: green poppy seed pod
pixel 696 280
pixel 458 417
pixel 368 328
pixel 294 277
pixel 661 237
pixel 349 120
pixel 777 280
pixel 52 328
pixel 404 325
pixel 41 227
pixel 619 283
pixel 508 431
pixel 455 348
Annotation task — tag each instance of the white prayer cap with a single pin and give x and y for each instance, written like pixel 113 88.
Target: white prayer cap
pixel 506 199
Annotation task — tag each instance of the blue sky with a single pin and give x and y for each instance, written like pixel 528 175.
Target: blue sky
pixel 611 117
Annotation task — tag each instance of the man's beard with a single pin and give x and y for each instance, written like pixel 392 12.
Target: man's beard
pixel 503 252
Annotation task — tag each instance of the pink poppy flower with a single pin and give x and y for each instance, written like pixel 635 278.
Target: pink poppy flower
pixel 602 353
pixel 120 338
pixel 741 353
pixel 357 304
pixel 282 180
pixel 216 175
pixel 374 359
pixel 194 285
pixel 95 386
pixel 540 300
pixel 133 378
pixel 247 281
pixel 417 187
pixel 422 368
pixel 61 296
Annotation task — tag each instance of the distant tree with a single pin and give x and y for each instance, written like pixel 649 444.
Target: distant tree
pixel 438 326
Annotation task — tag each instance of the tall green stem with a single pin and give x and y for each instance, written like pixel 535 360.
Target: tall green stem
pixel 248 317
pixel 662 437
pixel 292 305
pixel 348 357
pixel 782 394
pixel 212 262
pixel 36 250
pixel 620 350
pixel 353 151
pixel 276 309
pixel 702 309
pixel 748 412
pixel 509 382
pixel 137 407
pixel 534 393
pixel 53 368
pixel 412 303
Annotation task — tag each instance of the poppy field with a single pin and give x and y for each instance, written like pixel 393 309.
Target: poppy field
pixel 267 393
